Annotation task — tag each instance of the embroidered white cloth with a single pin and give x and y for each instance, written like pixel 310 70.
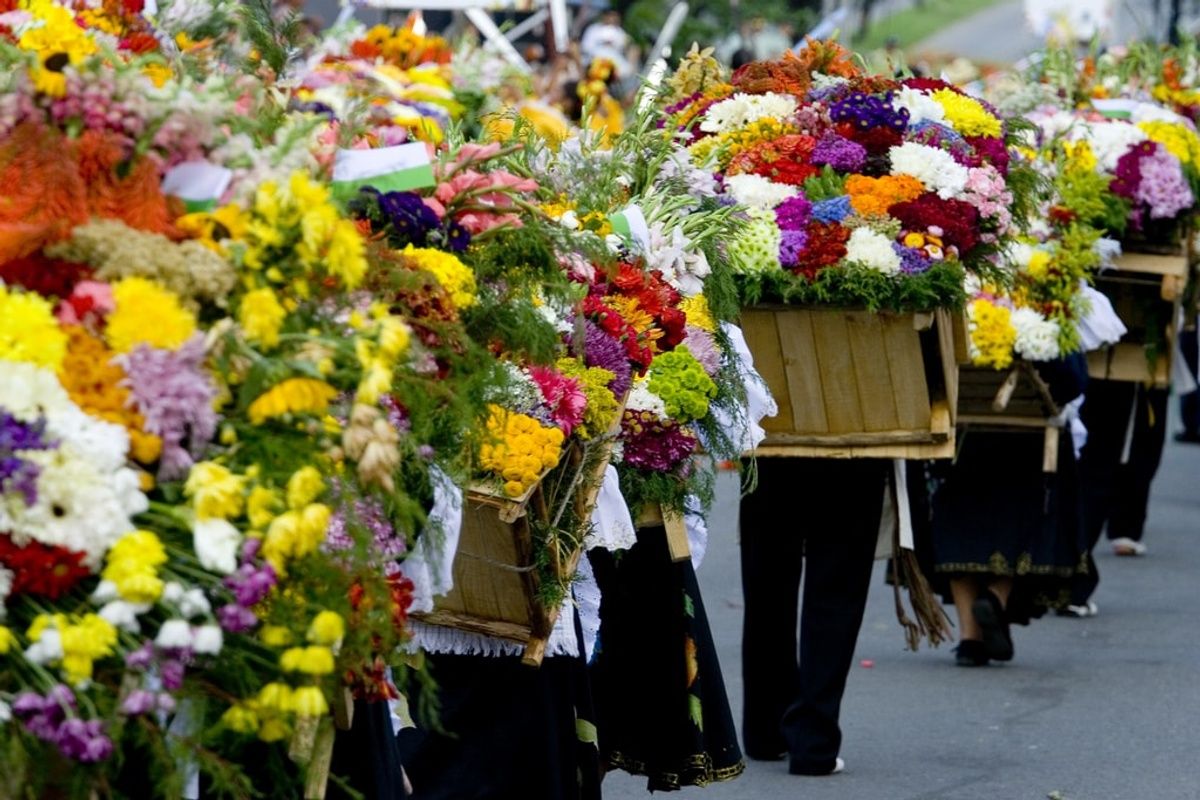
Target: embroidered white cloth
pixel 430 565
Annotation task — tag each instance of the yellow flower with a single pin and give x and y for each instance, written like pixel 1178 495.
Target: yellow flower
pixel 310 702
pixel 275 636
pixel 58 41
pixel 303 487
pixel 327 628
pixel 967 115
pixel 276 696
pixel 28 330
pixel 312 660
pixel 147 314
pixel 261 505
pixel 346 256
pixel 696 309
pixel 376 380
pixel 393 337
pixel 240 718
pixel 157 72
pixel 521 449
pixel 132 566
pixel 261 316
pixel 274 730
pixel 451 274
pixel 8 640
pixel 992 334
pixel 1180 141
pixel 216 492
pixel 292 396
pixel 1079 156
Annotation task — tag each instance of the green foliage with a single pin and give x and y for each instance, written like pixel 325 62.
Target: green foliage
pixel 941 286
pixel 825 186
pixel 710 22
pixel 275 42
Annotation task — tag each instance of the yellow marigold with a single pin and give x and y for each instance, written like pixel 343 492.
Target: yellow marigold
pixel 874 196
pixel 346 256
pixel 261 316
pixel 303 487
pixel 1180 141
pixel 215 491
pixel 309 701
pixel 132 565
pixel 520 449
pixel 311 660
pixel 452 275
pixel 698 314
pixel 967 115
pixel 327 628
pixel 147 314
pixel 992 334
pixel 28 330
pixel 240 718
pixel 8 640
pixel 292 396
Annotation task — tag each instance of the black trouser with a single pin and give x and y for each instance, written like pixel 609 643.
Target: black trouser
pixel 825 512
pixel 1116 491
pixel 1189 404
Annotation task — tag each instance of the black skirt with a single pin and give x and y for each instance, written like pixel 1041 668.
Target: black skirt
pixel 996 513
pixel 660 698
pixel 507 730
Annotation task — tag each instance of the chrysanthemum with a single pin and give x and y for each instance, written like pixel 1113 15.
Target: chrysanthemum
pixel 147 314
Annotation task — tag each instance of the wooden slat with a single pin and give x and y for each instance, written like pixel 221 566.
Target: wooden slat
pixel 858 439
pixel 907 370
pixel 950 357
pixel 805 383
pixel 917 452
pixel 836 371
pixel 1153 264
pixel 1127 362
pixel 872 374
pixel 762 337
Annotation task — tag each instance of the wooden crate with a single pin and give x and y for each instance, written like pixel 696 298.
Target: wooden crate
pixel 1014 400
pixel 654 515
pixel 1146 290
pixel 857 384
pixel 495 577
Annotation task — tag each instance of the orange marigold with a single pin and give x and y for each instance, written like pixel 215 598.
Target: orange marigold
pixel 874 196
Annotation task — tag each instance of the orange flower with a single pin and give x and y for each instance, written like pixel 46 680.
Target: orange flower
pixel 136 199
pixel 41 194
pixel 874 196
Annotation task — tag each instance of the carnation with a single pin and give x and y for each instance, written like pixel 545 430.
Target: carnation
pixel 642 399
pixel 920 106
pixel 872 250
pixel 1037 337
pixel 756 191
pixel 1109 141
pixel 743 109
pixel 934 168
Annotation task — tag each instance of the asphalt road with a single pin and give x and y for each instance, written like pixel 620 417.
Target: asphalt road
pixel 1106 708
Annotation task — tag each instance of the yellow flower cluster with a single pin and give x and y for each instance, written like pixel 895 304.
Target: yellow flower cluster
pixel 327 628
pixel 727 145
pixel 8 640
pixel 520 449
pixel 294 534
pixel 268 714
pixel 1079 156
pixel 147 314
pixel 261 315
pixel 132 565
pixel 1181 141
pixel 311 660
pixel 376 358
pixel 29 331
pixel 215 491
pixel 602 407
pixel 84 639
pixel 698 313
pixel 58 35
pixel 292 396
pixel 992 334
pixel 967 115
pixel 452 275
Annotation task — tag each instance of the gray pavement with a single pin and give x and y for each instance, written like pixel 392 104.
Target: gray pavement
pixel 1099 709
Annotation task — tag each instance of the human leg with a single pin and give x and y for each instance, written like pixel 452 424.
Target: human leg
pixel 1132 489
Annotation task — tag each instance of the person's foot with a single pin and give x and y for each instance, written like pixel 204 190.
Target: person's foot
pixel 1088 609
pixel 970 653
pixel 764 748
pixel 765 755
pixel 989 613
pixel 798 768
pixel 1188 437
pixel 1125 546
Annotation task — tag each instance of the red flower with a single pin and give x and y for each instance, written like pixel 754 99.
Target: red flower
pixel 365 50
pixel 48 277
pixel 783 160
pixel 958 221
pixel 139 42
pixel 826 246
pixel 878 140
pixel 929 85
pixel 402 598
pixel 41 570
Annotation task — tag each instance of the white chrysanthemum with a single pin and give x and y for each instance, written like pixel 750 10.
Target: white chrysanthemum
pixel 79 507
pixel 873 250
pixel 175 634
pixel 1037 337
pixel 743 109
pixel 216 542
pixel 124 615
pixel 1109 140
pixel 29 391
pixel 642 399
pixel 934 168
pixel 920 105
pixel 207 640
pixel 682 265
pixel 756 191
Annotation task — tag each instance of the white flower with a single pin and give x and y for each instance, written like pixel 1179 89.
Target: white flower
pixel 105 592
pixel 175 634
pixel 29 391
pixel 123 615
pixel 172 592
pixel 758 192
pixel 1108 140
pixel 6 582
pixel 47 648
pixel 873 250
pixel 682 266
pixel 207 640
pixel 5 713
pixel 934 168
pixel 1037 337
pixel 920 106
pixel 742 109
pixel 194 604
pixel 569 220
pixel 642 399
pixel 216 543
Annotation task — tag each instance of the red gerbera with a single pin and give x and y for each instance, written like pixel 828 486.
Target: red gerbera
pixel 41 570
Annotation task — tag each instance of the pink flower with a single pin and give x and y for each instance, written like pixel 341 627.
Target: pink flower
pixel 562 396
pixel 90 302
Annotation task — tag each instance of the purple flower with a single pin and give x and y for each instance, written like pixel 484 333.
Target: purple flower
pixel 835 209
pixel 791 247
pixel 794 214
pixel 365 513
pixel 865 111
pixel 236 619
pixel 653 445
pixel 1163 187
pixel 912 260
pixel 703 346
pixel 138 702
pixel 84 741
pixel 251 584
pixel 605 352
pixel 840 153
pixel 16 474
pixel 172 672
pixel 172 390
pixel 141 658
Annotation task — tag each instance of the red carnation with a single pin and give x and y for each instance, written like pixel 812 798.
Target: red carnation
pixel 825 246
pixel 958 220
pixel 930 85
pixel 878 140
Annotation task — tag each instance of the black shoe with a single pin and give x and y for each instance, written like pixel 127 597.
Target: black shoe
pixel 765 755
pixel 997 641
pixel 764 748
pixel 802 768
pixel 1188 437
pixel 970 653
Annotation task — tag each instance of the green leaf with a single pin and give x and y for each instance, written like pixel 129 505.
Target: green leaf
pixel 696 711
pixel 586 732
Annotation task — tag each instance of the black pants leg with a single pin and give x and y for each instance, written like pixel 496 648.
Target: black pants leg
pixel 825 512
pixel 1134 477
pixel 1189 404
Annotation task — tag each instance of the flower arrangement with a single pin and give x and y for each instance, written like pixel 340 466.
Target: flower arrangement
pixel 859 189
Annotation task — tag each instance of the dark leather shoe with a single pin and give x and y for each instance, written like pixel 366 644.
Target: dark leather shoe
pixel 970 653
pixel 997 641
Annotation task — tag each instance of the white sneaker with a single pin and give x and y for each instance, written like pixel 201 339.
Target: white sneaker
pixel 1128 547
pixel 1088 609
pixel 839 766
